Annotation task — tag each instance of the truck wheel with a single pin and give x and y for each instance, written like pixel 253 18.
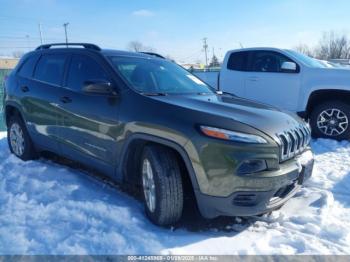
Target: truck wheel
pixel 162 185
pixel 331 120
pixel 18 139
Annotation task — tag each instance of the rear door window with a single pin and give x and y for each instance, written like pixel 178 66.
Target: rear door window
pixel 238 61
pixel 83 68
pixel 50 69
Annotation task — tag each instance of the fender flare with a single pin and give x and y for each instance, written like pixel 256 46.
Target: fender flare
pixel 19 109
pixel 330 94
pixel 159 140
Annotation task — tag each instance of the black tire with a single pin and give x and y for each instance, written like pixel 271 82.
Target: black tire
pixel 29 151
pixel 328 106
pixel 168 185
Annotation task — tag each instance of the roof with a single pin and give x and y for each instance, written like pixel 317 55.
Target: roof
pixel 112 52
pixel 256 49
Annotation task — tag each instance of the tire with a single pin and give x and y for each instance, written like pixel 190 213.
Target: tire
pixel 331 120
pixel 167 185
pixel 17 135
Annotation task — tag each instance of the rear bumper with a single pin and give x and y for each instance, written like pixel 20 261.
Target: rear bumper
pixel 255 202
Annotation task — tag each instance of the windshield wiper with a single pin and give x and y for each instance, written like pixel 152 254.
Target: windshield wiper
pixel 204 93
pixel 154 93
pixel 224 93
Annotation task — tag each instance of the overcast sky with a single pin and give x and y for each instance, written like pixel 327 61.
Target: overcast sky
pixel 174 28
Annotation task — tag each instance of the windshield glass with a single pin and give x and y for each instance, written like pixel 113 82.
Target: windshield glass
pixel 309 61
pixel 158 76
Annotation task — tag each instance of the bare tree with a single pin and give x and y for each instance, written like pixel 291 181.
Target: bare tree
pixel 214 61
pixel 333 46
pixel 137 46
pixel 304 49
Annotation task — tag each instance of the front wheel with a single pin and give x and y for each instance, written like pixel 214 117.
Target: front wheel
pixel 161 184
pixel 331 120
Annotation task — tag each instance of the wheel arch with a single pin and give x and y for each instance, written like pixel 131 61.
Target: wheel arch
pixel 319 96
pixel 132 150
pixel 12 109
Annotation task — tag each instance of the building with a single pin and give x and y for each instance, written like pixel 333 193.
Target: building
pixel 189 65
pixel 8 63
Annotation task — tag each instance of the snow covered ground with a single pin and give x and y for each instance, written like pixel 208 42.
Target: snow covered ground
pixel 47 208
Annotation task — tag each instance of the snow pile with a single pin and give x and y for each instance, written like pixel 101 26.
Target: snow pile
pixel 46 208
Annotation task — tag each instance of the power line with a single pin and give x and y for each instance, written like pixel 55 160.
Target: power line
pixel 24 47
pixel 24 39
pixel 50 20
pixel 196 54
pixel 12 37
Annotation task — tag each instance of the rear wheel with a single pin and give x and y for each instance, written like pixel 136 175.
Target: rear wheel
pixel 331 120
pixel 162 185
pixel 18 139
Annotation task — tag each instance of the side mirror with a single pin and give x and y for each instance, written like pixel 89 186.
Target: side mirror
pixel 289 67
pixel 99 87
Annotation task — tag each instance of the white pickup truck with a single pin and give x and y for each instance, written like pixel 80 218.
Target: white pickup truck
pixel 291 81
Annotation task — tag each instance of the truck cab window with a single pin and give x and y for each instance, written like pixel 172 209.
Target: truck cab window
pixel 267 61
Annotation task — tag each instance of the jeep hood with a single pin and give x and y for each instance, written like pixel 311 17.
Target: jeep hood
pixel 263 117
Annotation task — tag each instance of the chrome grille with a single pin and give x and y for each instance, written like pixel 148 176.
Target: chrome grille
pixel 293 141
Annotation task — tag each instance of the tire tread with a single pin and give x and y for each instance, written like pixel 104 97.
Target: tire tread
pixel 170 204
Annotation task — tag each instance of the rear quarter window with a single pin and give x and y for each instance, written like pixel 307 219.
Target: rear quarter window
pixel 27 69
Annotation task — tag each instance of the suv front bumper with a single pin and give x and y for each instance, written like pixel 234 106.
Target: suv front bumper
pixel 255 202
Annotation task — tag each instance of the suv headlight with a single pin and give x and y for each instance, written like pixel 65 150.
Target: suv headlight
pixel 232 135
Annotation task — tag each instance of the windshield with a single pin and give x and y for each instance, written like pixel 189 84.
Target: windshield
pixel 158 76
pixel 309 61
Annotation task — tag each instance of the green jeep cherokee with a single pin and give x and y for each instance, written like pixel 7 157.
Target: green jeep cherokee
pixel 146 121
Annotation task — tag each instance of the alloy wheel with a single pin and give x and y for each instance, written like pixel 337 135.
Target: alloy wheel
pixel 332 122
pixel 149 188
pixel 17 139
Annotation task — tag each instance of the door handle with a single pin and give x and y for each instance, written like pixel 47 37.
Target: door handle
pixel 65 99
pixel 24 89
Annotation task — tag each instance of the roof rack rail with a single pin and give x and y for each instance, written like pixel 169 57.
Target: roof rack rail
pixel 154 54
pixel 85 45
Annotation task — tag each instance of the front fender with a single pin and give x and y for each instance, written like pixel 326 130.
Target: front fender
pixel 323 80
pixel 305 97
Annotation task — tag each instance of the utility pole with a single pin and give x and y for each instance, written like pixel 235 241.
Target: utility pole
pixel 27 37
pixel 41 34
pixel 65 31
pixel 205 46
